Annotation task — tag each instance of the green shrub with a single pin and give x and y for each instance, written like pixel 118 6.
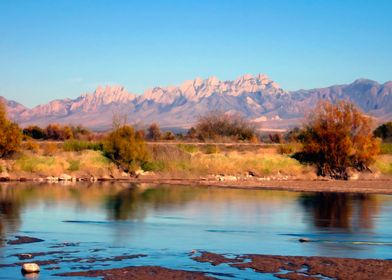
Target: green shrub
pixel 153 166
pixel 211 149
pixel 285 149
pixel 34 164
pixel 386 148
pixel 34 132
pixel 384 131
pixel 126 148
pixel 74 165
pixel 79 145
pixel 188 148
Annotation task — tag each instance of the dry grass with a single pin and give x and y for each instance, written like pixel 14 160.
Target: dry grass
pixel 85 162
pixel 384 164
pixel 176 161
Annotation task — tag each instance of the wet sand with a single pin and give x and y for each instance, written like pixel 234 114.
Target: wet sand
pixel 23 240
pixel 283 267
pixel 298 267
pixel 354 186
pixel 141 273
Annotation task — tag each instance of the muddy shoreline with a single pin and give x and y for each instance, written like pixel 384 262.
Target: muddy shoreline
pixel 311 268
pixel 371 186
pixel 281 267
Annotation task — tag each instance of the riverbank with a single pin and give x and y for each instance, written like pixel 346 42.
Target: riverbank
pixel 330 186
pixel 299 267
pixel 238 166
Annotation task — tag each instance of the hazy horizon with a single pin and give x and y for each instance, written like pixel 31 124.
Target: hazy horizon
pixel 61 49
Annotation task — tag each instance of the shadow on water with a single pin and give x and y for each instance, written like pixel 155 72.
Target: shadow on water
pixel 348 212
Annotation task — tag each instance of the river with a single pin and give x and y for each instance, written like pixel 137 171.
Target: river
pixel 166 223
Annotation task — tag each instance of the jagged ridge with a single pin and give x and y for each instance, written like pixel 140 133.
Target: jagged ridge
pixel 256 97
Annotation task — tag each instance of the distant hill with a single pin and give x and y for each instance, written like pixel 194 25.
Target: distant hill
pixel 256 97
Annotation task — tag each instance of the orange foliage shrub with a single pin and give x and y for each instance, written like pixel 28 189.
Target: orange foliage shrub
pixel 337 137
pixel 10 134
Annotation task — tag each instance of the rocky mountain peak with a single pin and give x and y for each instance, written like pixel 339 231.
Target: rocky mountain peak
pixel 257 97
pixel 102 96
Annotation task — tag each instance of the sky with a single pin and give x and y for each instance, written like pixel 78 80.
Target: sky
pixel 63 48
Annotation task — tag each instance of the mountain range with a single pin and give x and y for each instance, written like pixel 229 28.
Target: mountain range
pixel 257 98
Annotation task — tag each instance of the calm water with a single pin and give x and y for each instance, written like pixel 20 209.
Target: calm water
pixel 167 222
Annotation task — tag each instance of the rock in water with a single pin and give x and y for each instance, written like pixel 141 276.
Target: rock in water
pixel 30 268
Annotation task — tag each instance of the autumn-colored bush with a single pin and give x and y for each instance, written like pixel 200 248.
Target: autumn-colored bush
pixel 336 138
pixel 217 125
pixel 50 149
pixel 58 132
pixel 31 145
pixel 154 132
pixel 10 134
pixel 126 148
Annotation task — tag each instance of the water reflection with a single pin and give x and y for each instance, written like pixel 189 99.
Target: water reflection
pixel 150 218
pixel 125 201
pixel 339 210
pixel 135 201
pixel 9 213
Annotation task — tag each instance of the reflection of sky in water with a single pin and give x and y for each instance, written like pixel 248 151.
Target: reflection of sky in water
pixel 166 222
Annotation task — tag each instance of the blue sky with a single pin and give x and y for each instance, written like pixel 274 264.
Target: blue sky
pixel 57 49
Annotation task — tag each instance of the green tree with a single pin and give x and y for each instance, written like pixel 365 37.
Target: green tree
pixel 336 138
pixel 126 148
pixel 10 134
pixel 34 132
pixel 384 132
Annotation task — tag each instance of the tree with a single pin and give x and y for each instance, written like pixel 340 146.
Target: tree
pixel 34 132
pixel 53 132
pixel 384 132
pixel 192 133
pixel 154 132
pixel 126 148
pixel 10 134
pixel 168 135
pixel 80 132
pixel 217 124
pixel 336 138
pixel 275 138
